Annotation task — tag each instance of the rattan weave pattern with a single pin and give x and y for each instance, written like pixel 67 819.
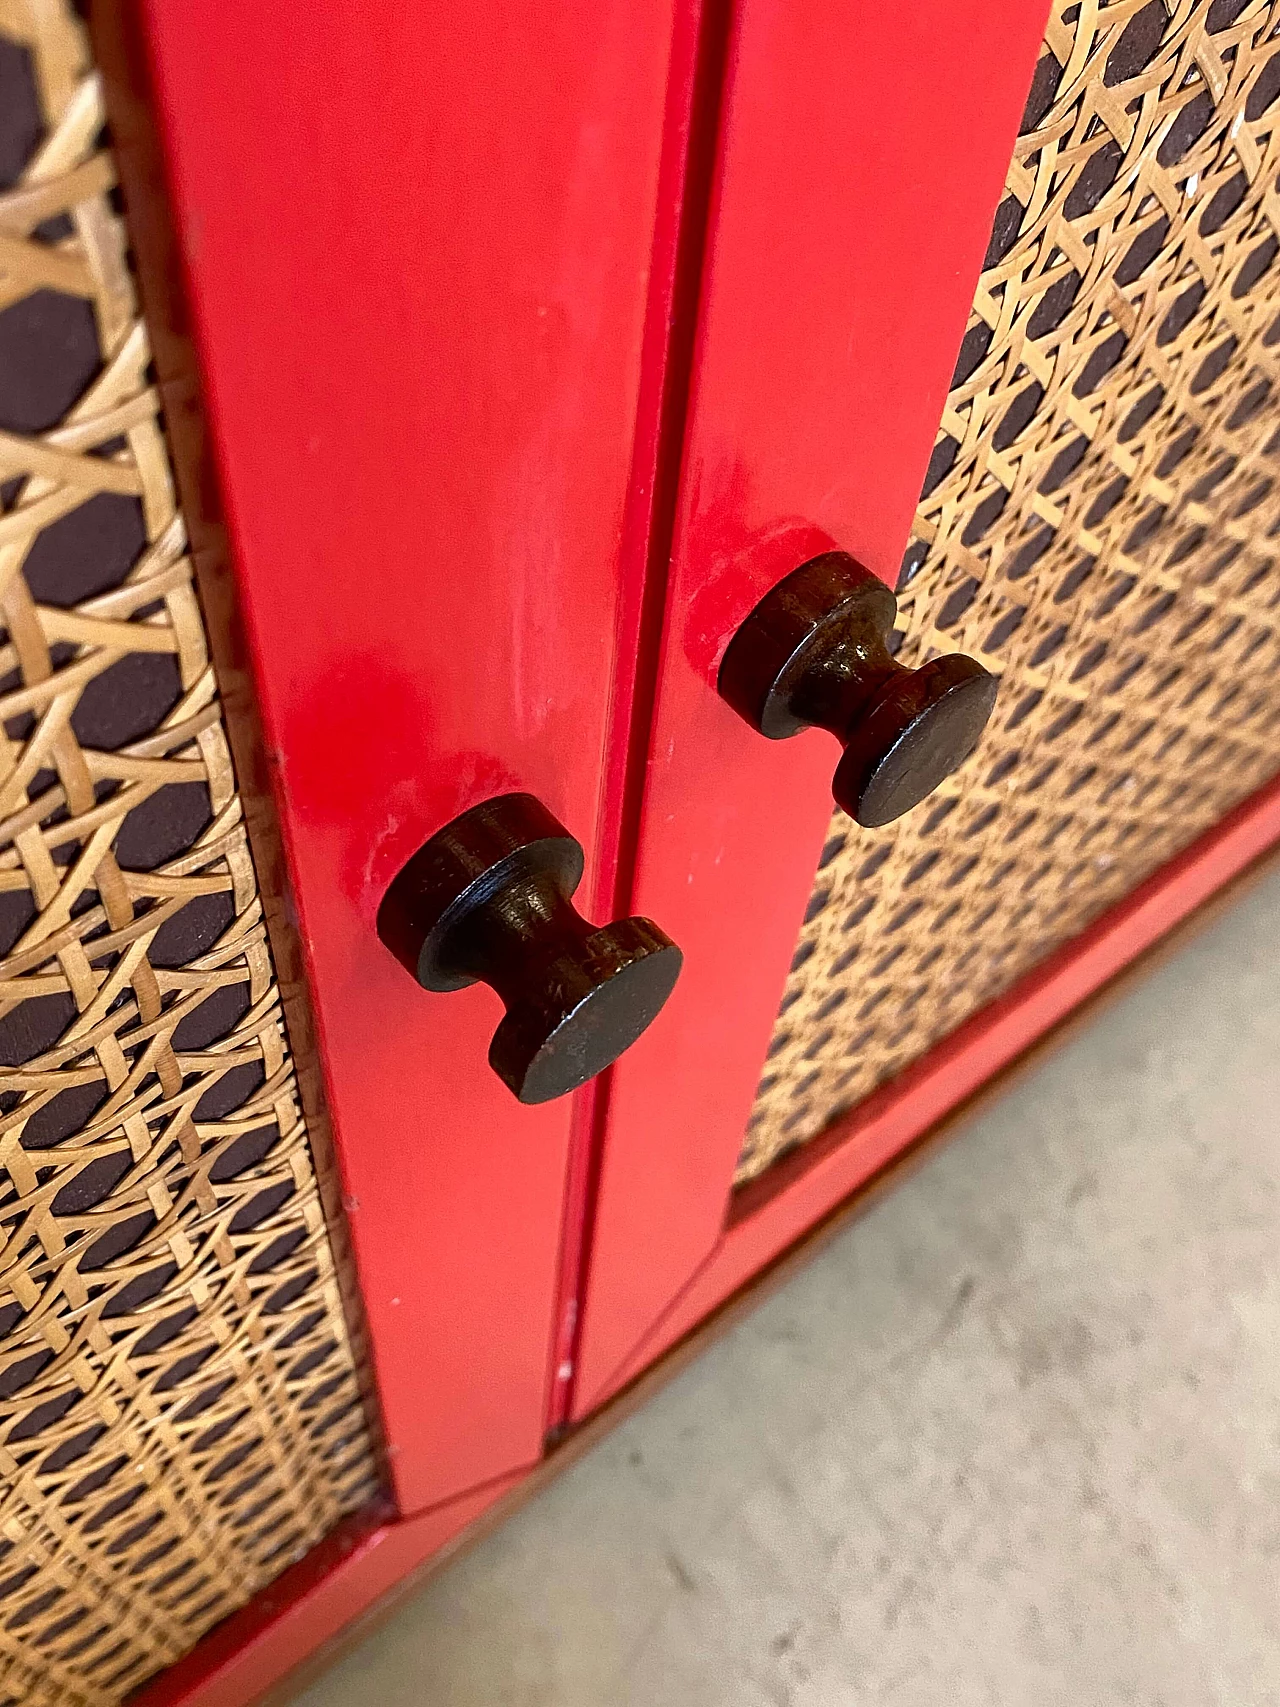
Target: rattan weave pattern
pixel 181 1410
pixel 1097 527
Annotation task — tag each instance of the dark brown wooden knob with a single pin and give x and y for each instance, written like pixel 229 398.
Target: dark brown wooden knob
pixel 487 900
pixel 815 652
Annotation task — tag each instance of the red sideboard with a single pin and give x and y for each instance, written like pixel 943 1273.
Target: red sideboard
pixel 507 359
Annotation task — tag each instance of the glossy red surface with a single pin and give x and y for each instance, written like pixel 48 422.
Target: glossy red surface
pixel 417 260
pixel 862 153
pixel 685 177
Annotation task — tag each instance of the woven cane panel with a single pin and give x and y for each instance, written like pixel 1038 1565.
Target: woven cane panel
pixel 1097 527
pixel 181 1414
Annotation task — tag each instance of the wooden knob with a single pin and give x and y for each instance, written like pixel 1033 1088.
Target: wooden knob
pixel 487 900
pixel 815 652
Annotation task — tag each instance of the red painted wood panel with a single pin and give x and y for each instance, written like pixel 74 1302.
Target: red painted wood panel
pixel 417 243
pixel 693 86
pixel 862 153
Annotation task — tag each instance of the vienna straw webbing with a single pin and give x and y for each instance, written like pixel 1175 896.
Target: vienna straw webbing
pixel 180 1406
pixel 1098 527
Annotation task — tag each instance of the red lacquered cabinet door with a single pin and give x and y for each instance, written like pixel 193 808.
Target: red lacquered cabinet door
pixel 860 156
pixel 1068 489
pixel 417 245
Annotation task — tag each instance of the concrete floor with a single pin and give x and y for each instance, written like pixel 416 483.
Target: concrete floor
pixel 1014 1439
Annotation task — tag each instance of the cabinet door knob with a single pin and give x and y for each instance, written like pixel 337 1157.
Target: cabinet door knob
pixel 814 652
pixel 487 900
